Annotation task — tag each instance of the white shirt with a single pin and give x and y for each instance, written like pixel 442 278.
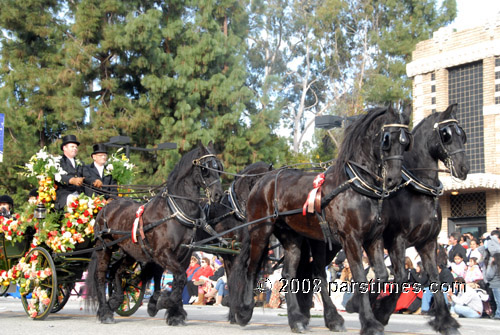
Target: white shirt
pixel 100 169
pixel 72 160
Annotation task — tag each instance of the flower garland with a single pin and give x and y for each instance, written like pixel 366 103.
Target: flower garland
pixel 77 224
pixel 15 226
pixel 120 168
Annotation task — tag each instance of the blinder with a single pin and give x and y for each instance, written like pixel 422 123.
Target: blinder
pixel 405 138
pixel 208 163
pixel 446 133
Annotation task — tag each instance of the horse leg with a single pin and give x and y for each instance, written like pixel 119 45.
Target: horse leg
pixel 369 325
pixel 443 322
pixel 153 270
pixel 172 301
pixel 116 298
pixel 333 320
pixel 244 274
pixel 298 316
pixel 384 307
pixel 104 312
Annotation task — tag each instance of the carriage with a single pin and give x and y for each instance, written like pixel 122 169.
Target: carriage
pixel 48 278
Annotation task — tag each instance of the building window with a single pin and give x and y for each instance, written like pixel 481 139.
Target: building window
pixel 497 61
pixel 497 75
pixel 433 100
pixel 433 76
pixel 468 205
pixel 497 100
pixel 465 87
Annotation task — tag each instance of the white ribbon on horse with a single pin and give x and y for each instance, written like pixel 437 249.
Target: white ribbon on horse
pixel 309 204
pixel 138 215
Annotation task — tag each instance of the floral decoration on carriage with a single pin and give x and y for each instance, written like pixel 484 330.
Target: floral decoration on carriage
pixel 59 232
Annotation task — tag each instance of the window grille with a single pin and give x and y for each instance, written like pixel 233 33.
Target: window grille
pixel 465 87
pixel 468 205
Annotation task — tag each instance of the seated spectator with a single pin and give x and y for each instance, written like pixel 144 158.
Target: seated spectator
pixel 205 270
pixel 409 301
pixel 458 267
pixel 191 270
pixel 473 273
pixel 466 302
pixel 209 287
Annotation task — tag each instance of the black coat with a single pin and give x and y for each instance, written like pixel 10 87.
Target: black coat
pixel 91 175
pixel 64 188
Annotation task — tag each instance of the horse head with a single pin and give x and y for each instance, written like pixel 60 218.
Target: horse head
pixel 448 143
pixel 207 172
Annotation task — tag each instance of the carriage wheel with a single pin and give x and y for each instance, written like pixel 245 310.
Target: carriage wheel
pixel 63 294
pixel 133 290
pixel 39 294
pixel 3 289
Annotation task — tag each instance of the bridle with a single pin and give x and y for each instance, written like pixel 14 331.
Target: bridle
pixel 445 134
pixel 207 163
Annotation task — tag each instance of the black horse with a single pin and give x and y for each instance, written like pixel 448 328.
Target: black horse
pixel 413 216
pixel 372 147
pixel 168 220
pixel 225 215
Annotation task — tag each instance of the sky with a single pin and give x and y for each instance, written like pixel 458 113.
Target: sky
pixel 475 12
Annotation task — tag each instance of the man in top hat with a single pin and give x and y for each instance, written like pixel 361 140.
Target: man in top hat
pixel 71 182
pixel 94 173
pixel 6 205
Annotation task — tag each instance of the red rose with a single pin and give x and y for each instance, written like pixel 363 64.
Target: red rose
pixel 79 221
pixel 86 213
pixel 69 224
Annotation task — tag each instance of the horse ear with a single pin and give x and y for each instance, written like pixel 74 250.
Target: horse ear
pixel 450 112
pixel 270 167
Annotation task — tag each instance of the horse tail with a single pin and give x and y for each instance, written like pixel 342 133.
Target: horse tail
pixel 91 284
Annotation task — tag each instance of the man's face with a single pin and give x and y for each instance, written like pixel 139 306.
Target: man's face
pixel 100 158
pixel 5 206
pixel 70 150
pixel 452 240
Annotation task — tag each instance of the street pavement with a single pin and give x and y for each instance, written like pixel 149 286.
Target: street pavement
pixel 204 320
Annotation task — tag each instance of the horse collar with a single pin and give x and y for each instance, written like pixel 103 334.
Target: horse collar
pixel 183 217
pixel 420 186
pixel 233 201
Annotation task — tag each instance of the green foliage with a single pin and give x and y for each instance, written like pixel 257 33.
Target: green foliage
pixel 185 71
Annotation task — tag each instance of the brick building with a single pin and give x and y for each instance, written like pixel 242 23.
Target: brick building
pixel 464 67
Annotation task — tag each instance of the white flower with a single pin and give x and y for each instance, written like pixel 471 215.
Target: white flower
pixel 57 177
pixel 109 167
pixel 67 234
pixel 42 154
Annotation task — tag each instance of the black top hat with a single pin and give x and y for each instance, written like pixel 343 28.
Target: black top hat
pixel 99 148
pixel 33 193
pixel 69 139
pixel 7 200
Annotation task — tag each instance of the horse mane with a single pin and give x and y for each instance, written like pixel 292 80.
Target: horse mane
pixel 352 145
pixel 426 119
pixel 252 167
pixel 182 168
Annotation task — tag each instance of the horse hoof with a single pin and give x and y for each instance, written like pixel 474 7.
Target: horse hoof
pixel 152 311
pixel 299 328
pixel 338 328
pixel 108 321
pixel 451 331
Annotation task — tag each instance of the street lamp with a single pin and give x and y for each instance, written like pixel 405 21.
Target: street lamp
pixel 40 212
pixel 124 142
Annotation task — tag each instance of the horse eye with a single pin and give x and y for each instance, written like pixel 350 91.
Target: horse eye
pixel 446 134
pixel 386 141
pixel 205 172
